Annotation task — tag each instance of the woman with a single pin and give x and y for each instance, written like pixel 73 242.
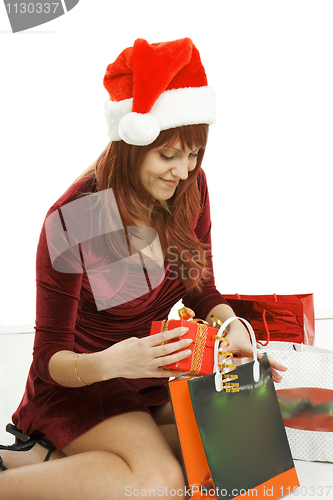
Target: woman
pixel 128 240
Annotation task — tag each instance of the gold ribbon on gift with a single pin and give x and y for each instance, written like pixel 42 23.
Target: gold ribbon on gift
pixel 200 341
pixel 198 349
pixel 186 313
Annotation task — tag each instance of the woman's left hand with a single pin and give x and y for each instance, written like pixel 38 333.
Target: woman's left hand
pixel 240 345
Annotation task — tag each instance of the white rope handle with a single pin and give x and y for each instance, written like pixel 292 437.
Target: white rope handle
pixel 256 365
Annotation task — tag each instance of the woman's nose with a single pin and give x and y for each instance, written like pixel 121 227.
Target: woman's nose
pixel 182 169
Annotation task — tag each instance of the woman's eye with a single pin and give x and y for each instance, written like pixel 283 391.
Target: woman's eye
pixel 165 157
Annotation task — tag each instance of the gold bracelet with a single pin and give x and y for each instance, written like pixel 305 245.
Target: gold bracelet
pixel 75 368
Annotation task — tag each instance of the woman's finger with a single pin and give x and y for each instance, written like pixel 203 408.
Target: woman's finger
pixel 163 372
pixel 171 347
pixel 276 368
pixel 276 376
pixel 160 338
pixel 173 358
pixel 276 365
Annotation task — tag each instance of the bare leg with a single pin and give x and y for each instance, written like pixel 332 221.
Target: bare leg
pixel 163 416
pixel 37 454
pixel 124 456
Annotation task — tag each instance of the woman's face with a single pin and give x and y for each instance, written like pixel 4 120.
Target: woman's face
pixel 163 168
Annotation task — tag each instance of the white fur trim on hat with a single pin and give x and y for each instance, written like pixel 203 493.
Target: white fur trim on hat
pixel 114 111
pixel 173 108
pixel 139 129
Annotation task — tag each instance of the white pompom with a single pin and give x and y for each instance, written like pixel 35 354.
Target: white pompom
pixel 139 129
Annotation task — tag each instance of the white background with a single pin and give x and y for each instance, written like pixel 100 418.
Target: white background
pixel 270 154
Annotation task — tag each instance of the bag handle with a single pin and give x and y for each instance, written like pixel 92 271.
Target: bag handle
pixel 264 344
pixel 258 296
pixel 256 365
pixel 266 329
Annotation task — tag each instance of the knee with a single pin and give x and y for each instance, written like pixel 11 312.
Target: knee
pixel 173 478
pixel 166 481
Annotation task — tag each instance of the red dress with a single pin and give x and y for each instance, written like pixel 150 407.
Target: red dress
pixel 69 318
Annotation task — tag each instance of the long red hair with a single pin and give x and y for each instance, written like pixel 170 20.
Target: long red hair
pixel 119 168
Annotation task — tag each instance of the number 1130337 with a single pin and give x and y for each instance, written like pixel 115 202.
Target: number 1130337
pixel 311 491
pixel 32 8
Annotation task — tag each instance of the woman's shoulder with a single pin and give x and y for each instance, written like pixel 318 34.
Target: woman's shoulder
pixel 79 188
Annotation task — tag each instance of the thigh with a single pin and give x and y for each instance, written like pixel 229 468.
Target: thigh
pixel 163 417
pixel 134 437
pixel 163 414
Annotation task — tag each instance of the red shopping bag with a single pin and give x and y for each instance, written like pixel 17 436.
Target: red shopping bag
pixel 288 318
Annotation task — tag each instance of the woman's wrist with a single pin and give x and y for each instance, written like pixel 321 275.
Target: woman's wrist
pixel 90 368
pixel 70 369
pixel 76 357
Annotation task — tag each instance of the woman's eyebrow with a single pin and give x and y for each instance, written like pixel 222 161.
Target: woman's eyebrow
pixel 179 150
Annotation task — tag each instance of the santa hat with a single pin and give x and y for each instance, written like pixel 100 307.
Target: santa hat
pixel 154 87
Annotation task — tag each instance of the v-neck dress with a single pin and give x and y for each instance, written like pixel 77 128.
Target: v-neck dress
pixel 72 314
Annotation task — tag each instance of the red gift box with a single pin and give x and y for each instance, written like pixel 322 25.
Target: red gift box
pixel 201 362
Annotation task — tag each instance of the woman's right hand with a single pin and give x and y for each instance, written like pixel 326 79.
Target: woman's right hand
pixel 145 357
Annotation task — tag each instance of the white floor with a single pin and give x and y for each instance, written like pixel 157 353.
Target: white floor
pixel 15 357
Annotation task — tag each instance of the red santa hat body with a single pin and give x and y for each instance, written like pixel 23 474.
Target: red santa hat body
pixel 154 87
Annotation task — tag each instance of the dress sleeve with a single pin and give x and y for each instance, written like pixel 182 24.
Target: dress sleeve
pixel 59 280
pixel 203 302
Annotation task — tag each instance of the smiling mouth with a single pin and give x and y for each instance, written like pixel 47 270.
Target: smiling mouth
pixel 171 184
